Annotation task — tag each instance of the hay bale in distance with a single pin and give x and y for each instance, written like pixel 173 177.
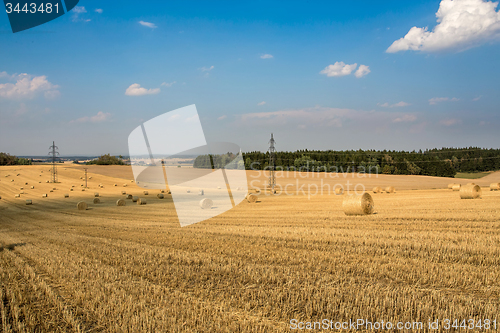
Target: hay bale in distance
pixel 17 196
pixel 145 192
pixel 188 191
pixel 471 183
pixel 160 196
pixel 494 186
pixel 141 201
pixel 120 202
pixel 339 190
pixel 97 201
pixel 124 185
pixel 66 195
pixel 29 202
pixel 129 196
pixel 358 204
pixel 390 189
pixel 51 191
pixel 218 187
pixel 135 198
pixel 470 192
pixel 115 185
pixel 450 186
pixel 81 205
pixel 96 194
pixel 124 193
pixel 456 187
pixel 206 203
pixel 44 195
pixel 83 190
pixel 32 187
pixel 201 192
pixel 71 189
pixel 162 191
pixel 377 190
pixel 251 198
pixel 54 188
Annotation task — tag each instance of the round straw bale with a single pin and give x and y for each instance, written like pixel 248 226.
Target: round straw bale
pixel 81 185
pixel 456 187
pixel 168 192
pixel 160 196
pixel 29 202
pixel 22 192
pixel 124 185
pixel 81 205
pixel 81 177
pixel 96 194
pixel 162 191
pixel 201 192
pixel 494 186
pixel 339 190
pixel 32 187
pixel 97 201
pixel 90 177
pixel 17 196
pixel 218 187
pixel 83 190
pixel 131 181
pixel 25 183
pixel 0 198
pixel 21 188
pixel 141 201
pixel 188 191
pixel 471 183
pixel 358 204
pixel 71 189
pixel 377 190
pixel 115 185
pixel 51 191
pixel 13 180
pixel 390 189
pixel 129 196
pixel 450 186
pixel 54 188
pixel 206 203
pixel 44 195
pixel 66 195
pixel 72 185
pixel 251 198
pixel 120 202
pixel 146 193
pixel 135 198
pixel 470 192
pixel 123 192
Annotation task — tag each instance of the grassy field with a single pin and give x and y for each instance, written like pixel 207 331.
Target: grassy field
pixel 424 255
pixel 472 175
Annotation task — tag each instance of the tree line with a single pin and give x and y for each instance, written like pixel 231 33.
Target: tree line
pixel 444 162
pixel 7 159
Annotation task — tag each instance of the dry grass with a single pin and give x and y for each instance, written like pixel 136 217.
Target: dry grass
pixel 425 254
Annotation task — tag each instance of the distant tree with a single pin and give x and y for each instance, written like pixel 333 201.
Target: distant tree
pixel 106 159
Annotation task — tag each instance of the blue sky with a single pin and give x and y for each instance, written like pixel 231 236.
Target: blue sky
pixel 91 77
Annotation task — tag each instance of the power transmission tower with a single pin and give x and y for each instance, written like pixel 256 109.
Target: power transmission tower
pixel 272 164
pixel 54 154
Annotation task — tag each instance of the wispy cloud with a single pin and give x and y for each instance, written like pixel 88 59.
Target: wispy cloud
pixel 435 100
pixel 261 103
pixel 266 56
pixel 477 98
pixel 222 117
pixel 462 24
pixel 342 69
pixel 407 118
pixel 98 10
pixel 148 24
pixel 27 86
pixel 207 69
pixel 168 85
pixel 98 118
pixel 450 122
pixel 136 90
pixel 396 105
pixel 77 11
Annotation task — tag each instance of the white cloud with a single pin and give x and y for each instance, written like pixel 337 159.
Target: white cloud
pixel 222 117
pixel 450 122
pixel 168 85
pixel 148 24
pixel 98 10
pixel 266 56
pixel 339 69
pixel 98 118
pixel 474 99
pixel 207 69
pixel 435 100
pixel 76 14
pixel 136 90
pixel 407 118
pixel 261 103
pixel 397 105
pixel 362 71
pixel 27 86
pixel 462 24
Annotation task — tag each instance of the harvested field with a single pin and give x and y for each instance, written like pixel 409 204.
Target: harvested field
pixel 424 254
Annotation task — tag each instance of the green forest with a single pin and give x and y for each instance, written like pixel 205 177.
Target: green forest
pixel 6 159
pixel 444 162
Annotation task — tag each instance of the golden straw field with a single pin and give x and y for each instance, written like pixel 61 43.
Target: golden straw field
pixel 424 255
